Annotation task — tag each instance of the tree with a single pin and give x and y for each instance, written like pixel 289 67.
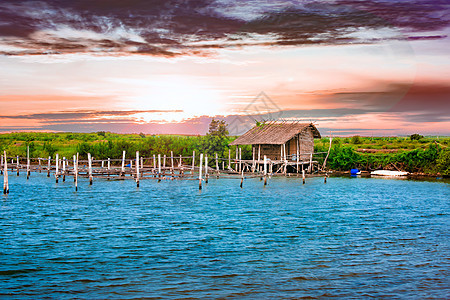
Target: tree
pixel 216 140
pixel 416 137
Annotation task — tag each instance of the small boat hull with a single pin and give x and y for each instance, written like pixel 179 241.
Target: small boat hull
pixel 388 173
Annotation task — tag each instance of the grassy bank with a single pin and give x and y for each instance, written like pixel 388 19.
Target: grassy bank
pixel 429 155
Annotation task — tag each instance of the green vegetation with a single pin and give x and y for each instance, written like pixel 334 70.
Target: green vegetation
pixel 428 155
pixel 425 154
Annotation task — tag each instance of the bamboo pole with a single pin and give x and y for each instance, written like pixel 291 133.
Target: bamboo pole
pixel 217 163
pixel 206 168
pixel 64 169
pixel 200 172
pixel 48 166
pixel 310 163
pixel 17 165
pixel 159 167
pixel 265 170
pixel 56 167
pixel 193 161
pixel 242 178
pixel 28 162
pixel 5 176
pixel 171 161
pixel 123 164
pixel 240 159
pixel 137 168
pixel 75 167
pixel 90 168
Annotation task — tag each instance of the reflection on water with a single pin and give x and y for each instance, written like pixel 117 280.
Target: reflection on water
pixel 351 237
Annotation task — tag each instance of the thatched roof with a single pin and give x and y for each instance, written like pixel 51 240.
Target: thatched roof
pixel 275 133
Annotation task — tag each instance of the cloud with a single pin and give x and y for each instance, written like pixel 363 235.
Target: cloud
pixel 83 115
pixel 174 27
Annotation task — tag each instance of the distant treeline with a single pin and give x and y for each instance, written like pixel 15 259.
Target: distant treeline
pixel 413 154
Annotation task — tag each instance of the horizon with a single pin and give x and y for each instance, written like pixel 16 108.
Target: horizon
pixel 372 68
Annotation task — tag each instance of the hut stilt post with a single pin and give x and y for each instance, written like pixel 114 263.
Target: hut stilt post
pixel 265 170
pixel 39 162
pixel 1 165
pixel 109 163
pixel 240 159
pixel 303 176
pixel 154 163
pixel 229 159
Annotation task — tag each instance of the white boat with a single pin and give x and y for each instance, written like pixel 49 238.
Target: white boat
pixel 388 173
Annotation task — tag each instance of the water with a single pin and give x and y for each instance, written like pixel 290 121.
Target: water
pixel 349 238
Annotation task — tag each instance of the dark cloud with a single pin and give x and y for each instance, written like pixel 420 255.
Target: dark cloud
pixel 174 27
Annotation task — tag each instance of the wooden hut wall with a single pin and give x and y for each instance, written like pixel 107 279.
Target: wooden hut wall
pixel 306 142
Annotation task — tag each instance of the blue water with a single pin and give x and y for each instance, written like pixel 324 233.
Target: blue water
pixel 349 238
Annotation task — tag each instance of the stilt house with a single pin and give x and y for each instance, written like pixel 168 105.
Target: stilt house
pixel 280 140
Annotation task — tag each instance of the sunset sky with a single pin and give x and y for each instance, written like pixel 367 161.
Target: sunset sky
pixel 166 66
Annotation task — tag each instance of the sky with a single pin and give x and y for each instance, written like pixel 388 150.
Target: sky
pixel 168 66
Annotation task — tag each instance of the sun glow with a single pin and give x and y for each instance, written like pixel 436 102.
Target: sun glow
pixel 173 98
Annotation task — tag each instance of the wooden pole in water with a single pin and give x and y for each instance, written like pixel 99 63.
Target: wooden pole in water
pixel 242 178
pixel 154 162
pixel 137 168
pixel 159 167
pixel 109 163
pixel 28 162
pixel 325 178
pixel 142 163
pixel 193 161
pixel 303 176
pixel 56 167
pixel 164 164
pixel 240 159
pixel 171 162
pixel 64 169
pixel 298 156
pixel 265 170
pixel 39 161
pixel 217 165
pixel 5 176
pixel 206 168
pixel 48 166
pixel 123 164
pixel 103 164
pixel 200 172
pixel 285 158
pixel 17 165
pixel 90 168
pixel 1 165
pixel 75 168
pixel 229 158
pixel 310 163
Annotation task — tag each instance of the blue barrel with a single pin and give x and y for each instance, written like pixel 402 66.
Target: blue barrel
pixel 354 171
